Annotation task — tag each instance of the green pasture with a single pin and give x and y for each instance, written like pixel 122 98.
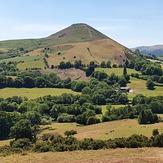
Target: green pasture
pixel 31 65
pixel 27 62
pixel 139 87
pixel 104 131
pixel 32 93
pixel 23 59
pixel 152 60
pixel 114 106
pixel 117 71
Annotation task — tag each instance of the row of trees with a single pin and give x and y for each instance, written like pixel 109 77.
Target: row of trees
pixel 55 142
pixel 34 79
pixel 69 108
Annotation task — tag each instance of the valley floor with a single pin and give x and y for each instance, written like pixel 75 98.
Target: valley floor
pixel 137 155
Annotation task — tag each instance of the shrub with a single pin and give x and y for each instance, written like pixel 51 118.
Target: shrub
pixel 71 132
pixel 21 143
pixel 64 117
pixel 41 147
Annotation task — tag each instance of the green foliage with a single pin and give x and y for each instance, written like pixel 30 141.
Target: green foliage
pixel 160 79
pixel 23 143
pixel 123 99
pixel 155 132
pixel 125 70
pixel 122 81
pixel 71 132
pixel 78 85
pixel 7 120
pixel 22 129
pixel 146 117
pixel 92 120
pixel 150 84
pixel 64 117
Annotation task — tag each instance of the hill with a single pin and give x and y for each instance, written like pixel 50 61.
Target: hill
pixel 78 41
pixel 156 49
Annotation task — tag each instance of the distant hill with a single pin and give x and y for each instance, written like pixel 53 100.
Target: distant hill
pixel 78 41
pixel 156 49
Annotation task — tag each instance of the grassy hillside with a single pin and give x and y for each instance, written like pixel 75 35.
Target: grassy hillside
pixel 77 33
pixel 98 51
pixel 79 41
pixel 117 71
pixel 104 131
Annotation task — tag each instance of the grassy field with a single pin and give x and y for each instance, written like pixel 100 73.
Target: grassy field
pixel 31 64
pixel 23 59
pixel 114 106
pixel 33 93
pixel 152 60
pixel 139 87
pixel 117 71
pixel 104 131
pixel 138 155
pixel 25 62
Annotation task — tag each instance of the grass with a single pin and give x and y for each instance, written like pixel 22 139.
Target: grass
pixel 152 60
pixel 104 131
pixel 117 71
pixel 139 155
pixel 5 142
pixel 33 93
pixel 31 64
pixel 23 59
pixel 81 38
pixel 139 87
pixel 25 62
pixel 114 106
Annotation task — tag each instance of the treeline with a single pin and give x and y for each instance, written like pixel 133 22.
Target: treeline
pixel 65 108
pixel 33 79
pixel 8 68
pixel 144 108
pixel 145 67
pixel 36 79
pixel 82 109
pixel 55 142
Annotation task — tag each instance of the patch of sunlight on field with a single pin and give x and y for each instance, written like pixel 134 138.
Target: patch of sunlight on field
pixel 117 71
pixel 32 93
pixel 23 59
pixel 104 131
pixel 114 106
pixel 31 64
pixel 139 87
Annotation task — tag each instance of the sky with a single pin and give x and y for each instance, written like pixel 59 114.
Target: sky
pixel 132 23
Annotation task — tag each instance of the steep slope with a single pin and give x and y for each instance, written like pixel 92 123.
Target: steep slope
pixel 156 49
pixel 78 41
pixel 77 33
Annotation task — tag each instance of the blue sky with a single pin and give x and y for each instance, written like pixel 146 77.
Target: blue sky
pixel 129 22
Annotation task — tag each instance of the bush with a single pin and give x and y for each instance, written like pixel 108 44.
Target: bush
pixel 21 143
pixel 150 84
pixel 92 120
pixel 71 132
pixel 64 117
pixel 41 147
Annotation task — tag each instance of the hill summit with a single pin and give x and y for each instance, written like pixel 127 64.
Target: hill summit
pixel 76 42
pixel 78 33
